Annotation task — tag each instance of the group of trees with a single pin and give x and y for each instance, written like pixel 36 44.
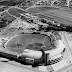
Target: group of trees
pixel 11 2
pixel 56 27
pixel 16 2
pixel 29 2
pixel 4 23
pixel 51 26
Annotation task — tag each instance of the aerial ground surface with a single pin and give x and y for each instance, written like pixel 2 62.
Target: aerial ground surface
pixel 58 14
pixel 9 13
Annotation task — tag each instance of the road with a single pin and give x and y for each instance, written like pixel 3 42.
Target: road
pixel 15 67
pixel 66 37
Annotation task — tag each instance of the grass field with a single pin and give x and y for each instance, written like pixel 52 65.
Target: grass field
pixel 15 12
pixel 10 15
pixel 58 14
pixel 7 16
pixel 23 7
pixel 40 9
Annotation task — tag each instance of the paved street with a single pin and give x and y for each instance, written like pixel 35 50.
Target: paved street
pixel 15 67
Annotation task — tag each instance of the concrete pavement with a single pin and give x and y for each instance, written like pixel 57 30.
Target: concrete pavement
pixel 15 67
pixel 65 38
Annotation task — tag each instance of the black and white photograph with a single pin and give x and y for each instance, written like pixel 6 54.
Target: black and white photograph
pixel 35 35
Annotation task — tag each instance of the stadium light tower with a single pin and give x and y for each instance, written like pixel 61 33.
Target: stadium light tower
pixel 68 3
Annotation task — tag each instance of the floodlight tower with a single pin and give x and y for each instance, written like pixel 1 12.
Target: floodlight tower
pixel 68 3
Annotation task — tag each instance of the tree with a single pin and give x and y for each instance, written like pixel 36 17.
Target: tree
pixel 11 2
